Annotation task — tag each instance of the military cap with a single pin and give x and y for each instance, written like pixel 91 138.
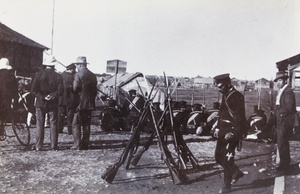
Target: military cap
pixel 222 78
pixel 281 75
pixel 197 107
pixel 71 66
pixel 132 91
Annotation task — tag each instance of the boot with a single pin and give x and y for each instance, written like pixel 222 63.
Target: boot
pixel 237 176
pixel 226 188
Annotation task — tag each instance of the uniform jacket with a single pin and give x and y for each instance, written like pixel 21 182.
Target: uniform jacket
pixel 47 82
pixel 231 114
pixel 285 112
pixel 67 99
pixel 85 86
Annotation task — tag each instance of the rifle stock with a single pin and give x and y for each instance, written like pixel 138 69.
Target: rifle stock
pixel 177 176
pixel 110 173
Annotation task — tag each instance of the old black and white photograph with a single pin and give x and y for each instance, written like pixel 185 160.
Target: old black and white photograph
pixel 150 96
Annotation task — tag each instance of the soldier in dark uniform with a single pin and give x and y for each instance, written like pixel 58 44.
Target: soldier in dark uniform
pixel 66 101
pixel 228 132
pixel 131 110
pixel 181 116
pixel 257 120
pixel 285 118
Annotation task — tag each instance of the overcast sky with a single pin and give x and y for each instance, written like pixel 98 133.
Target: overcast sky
pixel 180 37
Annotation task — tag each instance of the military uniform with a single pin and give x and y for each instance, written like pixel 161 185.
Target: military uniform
pixel 230 123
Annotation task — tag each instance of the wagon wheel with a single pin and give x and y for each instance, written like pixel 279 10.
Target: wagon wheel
pixel 22 132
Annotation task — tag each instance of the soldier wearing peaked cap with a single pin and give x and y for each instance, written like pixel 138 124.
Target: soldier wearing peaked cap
pixel 229 129
pixel 131 109
pixel 67 101
pixel 285 110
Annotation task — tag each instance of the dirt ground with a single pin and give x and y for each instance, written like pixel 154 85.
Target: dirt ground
pixel 68 171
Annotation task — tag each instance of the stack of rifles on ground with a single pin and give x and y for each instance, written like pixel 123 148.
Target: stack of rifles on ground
pixel 164 125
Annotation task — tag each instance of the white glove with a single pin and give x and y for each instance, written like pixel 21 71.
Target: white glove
pixel 216 132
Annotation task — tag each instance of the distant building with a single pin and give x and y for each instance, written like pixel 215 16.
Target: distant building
pixel 262 83
pixel 204 82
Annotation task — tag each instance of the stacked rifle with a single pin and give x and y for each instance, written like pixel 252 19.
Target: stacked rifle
pixel 175 162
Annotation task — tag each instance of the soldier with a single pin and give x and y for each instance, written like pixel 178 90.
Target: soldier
pixel 67 101
pixel 285 118
pixel 47 86
pixel 131 110
pixel 229 130
pixel 85 87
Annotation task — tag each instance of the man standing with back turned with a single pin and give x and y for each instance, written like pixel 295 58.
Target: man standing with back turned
pixel 285 118
pixel 229 130
pixel 85 86
pixel 47 87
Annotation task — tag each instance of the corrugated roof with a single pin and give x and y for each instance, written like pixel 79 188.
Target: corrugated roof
pixel 9 35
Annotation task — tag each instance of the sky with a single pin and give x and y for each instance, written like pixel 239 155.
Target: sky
pixel 179 37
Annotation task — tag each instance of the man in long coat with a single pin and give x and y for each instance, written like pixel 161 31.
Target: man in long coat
pixel 84 86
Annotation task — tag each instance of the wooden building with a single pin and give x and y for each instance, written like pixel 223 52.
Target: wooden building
pixel 24 55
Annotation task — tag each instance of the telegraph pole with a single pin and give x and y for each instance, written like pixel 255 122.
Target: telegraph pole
pixel 52 27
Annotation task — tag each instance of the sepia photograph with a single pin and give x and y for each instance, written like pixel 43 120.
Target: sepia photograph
pixel 148 97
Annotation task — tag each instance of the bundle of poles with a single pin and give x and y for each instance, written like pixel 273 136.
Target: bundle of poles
pixel 163 125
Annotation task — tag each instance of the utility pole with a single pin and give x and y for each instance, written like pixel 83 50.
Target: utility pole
pixel 52 27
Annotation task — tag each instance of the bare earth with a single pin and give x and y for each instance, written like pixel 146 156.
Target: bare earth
pixel 68 171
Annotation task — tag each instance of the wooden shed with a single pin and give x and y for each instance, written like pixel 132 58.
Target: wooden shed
pixel 25 55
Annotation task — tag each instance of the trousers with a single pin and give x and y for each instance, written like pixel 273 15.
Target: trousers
pixel 40 130
pixel 81 123
pixel 224 156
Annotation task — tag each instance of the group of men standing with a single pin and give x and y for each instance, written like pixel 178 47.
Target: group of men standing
pixel 71 94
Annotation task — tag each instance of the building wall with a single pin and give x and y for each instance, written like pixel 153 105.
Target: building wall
pixel 24 59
